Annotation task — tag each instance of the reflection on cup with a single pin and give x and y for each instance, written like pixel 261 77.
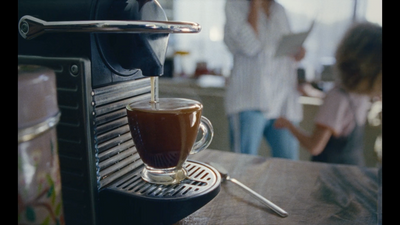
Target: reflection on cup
pixel 165 134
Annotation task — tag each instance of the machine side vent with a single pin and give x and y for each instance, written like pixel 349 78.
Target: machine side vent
pixel 115 151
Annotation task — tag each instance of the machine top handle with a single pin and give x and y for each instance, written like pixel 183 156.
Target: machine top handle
pixel 30 27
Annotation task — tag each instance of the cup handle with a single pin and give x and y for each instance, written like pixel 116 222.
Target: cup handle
pixel 208 134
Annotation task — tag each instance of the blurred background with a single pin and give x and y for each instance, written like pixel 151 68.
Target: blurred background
pixel 332 17
pixel 197 65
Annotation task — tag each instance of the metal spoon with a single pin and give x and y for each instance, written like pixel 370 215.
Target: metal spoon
pixel 225 176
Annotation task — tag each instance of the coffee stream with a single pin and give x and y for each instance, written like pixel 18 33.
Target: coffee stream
pixel 161 160
pixel 152 83
pixel 153 101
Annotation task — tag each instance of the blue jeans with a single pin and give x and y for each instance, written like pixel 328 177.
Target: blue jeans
pixel 247 128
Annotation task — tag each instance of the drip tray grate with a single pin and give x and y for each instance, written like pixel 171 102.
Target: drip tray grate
pixel 202 178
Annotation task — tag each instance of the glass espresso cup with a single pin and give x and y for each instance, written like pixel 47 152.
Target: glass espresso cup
pixel 165 133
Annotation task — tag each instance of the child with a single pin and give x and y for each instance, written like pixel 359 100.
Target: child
pixel 339 123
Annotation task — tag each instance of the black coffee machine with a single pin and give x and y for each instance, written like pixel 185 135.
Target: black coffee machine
pixel 103 52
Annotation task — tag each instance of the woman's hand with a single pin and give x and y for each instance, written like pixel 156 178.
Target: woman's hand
pixel 266 4
pixel 299 55
pixel 252 17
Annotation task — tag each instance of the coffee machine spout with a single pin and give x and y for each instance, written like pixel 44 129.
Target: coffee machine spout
pixel 135 44
pixel 141 51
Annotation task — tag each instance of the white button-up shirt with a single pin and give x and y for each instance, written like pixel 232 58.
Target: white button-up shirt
pixel 259 80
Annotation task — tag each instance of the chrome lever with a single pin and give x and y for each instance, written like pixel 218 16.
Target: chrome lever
pixel 31 27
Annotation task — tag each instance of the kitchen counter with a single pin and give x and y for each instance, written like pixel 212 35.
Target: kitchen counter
pixel 208 86
pixel 210 91
pixel 312 193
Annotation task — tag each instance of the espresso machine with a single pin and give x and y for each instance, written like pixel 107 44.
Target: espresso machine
pixel 103 53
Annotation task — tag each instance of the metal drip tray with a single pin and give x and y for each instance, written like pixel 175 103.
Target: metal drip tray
pixel 134 200
pixel 202 178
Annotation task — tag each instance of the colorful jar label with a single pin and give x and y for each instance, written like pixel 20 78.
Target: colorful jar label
pixel 39 181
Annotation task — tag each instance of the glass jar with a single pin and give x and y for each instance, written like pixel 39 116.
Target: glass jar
pixel 39 180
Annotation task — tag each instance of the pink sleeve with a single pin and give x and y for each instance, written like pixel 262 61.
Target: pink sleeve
pixel 333 112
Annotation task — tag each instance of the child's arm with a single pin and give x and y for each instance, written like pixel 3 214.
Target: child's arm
pixel 315 142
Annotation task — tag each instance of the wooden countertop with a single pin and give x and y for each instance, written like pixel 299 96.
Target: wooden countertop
pixel 312 193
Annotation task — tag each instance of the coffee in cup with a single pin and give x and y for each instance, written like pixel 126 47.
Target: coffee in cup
pixel 165 134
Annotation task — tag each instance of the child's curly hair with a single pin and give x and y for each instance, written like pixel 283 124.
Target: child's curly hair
pixel 359 56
